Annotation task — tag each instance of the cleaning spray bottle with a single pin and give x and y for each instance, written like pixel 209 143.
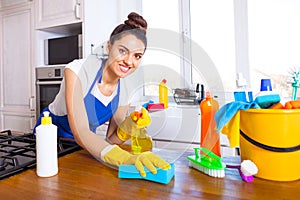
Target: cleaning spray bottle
pixel 210 138
pixel 163 93
pixel 46 147
pixel 242 93
pixel 140 141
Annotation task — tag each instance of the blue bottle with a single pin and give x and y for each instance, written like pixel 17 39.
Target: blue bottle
pixel 242 92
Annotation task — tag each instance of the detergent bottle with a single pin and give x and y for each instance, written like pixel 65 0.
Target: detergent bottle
pixel 163 93
pixel 210 138
pixel 46 147
pixel 242 92
pixel 266 98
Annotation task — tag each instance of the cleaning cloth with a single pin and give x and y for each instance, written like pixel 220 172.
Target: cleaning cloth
pixel 228 119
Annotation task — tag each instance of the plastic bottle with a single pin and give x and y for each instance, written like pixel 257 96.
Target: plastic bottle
pixel 46 147
pixel 163 93
pixel 210 138
pixel 266 98
pixel 140 141
pixel 242 92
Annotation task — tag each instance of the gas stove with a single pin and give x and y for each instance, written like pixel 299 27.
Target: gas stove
pixel 18 151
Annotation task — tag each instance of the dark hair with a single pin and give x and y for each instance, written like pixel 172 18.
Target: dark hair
pixel 135 25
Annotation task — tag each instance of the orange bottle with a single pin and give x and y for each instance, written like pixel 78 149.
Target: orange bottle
pixel 210 138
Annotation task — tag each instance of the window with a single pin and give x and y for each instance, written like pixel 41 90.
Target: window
pixel 161 60
pixel 274 42
pixel 212 29
pixel 214 45
pixel 258 38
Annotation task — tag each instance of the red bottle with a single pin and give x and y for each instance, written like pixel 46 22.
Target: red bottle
pixel 210 138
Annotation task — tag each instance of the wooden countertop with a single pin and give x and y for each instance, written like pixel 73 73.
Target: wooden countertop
pixel 82 177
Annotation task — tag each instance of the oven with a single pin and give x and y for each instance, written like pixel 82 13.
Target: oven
pixel 48 81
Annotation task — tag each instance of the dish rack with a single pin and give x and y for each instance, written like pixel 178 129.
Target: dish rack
pixel 185 96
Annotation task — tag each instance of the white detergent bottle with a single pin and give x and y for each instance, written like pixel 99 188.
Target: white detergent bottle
pixel 46 147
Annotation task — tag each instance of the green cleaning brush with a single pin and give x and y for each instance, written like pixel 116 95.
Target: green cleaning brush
pixel 207 162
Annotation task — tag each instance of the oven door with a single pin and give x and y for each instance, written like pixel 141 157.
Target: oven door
pixel 46 92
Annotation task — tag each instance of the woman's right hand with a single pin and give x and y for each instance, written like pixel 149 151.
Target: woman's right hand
pixel 134 127
pixel 116 156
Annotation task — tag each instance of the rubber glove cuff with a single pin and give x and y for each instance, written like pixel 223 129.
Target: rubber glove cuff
pixel 114 155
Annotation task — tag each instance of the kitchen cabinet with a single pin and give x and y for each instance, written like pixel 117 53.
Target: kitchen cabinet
pixel 51 13
pixel 17 89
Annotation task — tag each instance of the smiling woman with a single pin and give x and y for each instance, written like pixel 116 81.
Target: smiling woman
pixel 125 55
pixel 90 96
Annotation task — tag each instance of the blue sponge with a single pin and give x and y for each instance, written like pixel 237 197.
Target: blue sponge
pixel 266 101
pixel 162 176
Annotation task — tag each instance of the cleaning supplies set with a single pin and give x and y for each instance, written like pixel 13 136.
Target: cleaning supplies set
pixel 266 131
pixel 207 158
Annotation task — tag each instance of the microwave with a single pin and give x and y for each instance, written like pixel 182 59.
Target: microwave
pixel 63 50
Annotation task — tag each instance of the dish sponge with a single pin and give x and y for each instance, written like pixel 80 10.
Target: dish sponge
pixel 162 176
pixel 266 101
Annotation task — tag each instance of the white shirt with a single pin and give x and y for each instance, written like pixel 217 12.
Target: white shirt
pixel 86 70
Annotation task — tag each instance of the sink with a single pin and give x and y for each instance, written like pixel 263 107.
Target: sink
pixel 177 123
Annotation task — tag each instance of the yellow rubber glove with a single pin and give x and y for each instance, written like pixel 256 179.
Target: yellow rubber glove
pixel 134 125
pixel 116 156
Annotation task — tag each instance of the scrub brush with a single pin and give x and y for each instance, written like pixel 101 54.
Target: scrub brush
pixel 207 162
pixel 246 170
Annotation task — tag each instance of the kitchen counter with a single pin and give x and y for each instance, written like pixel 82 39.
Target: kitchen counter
pixel 82 177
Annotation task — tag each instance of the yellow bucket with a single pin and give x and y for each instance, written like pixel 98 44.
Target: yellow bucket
pixel 271 139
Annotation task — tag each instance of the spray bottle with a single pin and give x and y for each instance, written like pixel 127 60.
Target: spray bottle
pixel 140 141
pixel 210 138
pixel 46 147
pixel 242 92
pixel 163 93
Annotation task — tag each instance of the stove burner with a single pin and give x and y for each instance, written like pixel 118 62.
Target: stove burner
pixel 3 164
pixel 18 152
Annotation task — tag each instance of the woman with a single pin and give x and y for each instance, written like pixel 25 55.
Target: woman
pixel 90 93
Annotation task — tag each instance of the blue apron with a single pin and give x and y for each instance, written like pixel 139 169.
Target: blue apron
pixel 97 112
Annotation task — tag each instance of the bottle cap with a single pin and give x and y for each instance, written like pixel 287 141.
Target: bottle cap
pixel 164 81
pixel 208 94
pixel 46 119
pixel 265 85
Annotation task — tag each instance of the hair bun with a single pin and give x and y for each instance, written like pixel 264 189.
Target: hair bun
pixel 136 21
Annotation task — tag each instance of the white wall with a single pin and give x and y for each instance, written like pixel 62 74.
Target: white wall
pixel 102 16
